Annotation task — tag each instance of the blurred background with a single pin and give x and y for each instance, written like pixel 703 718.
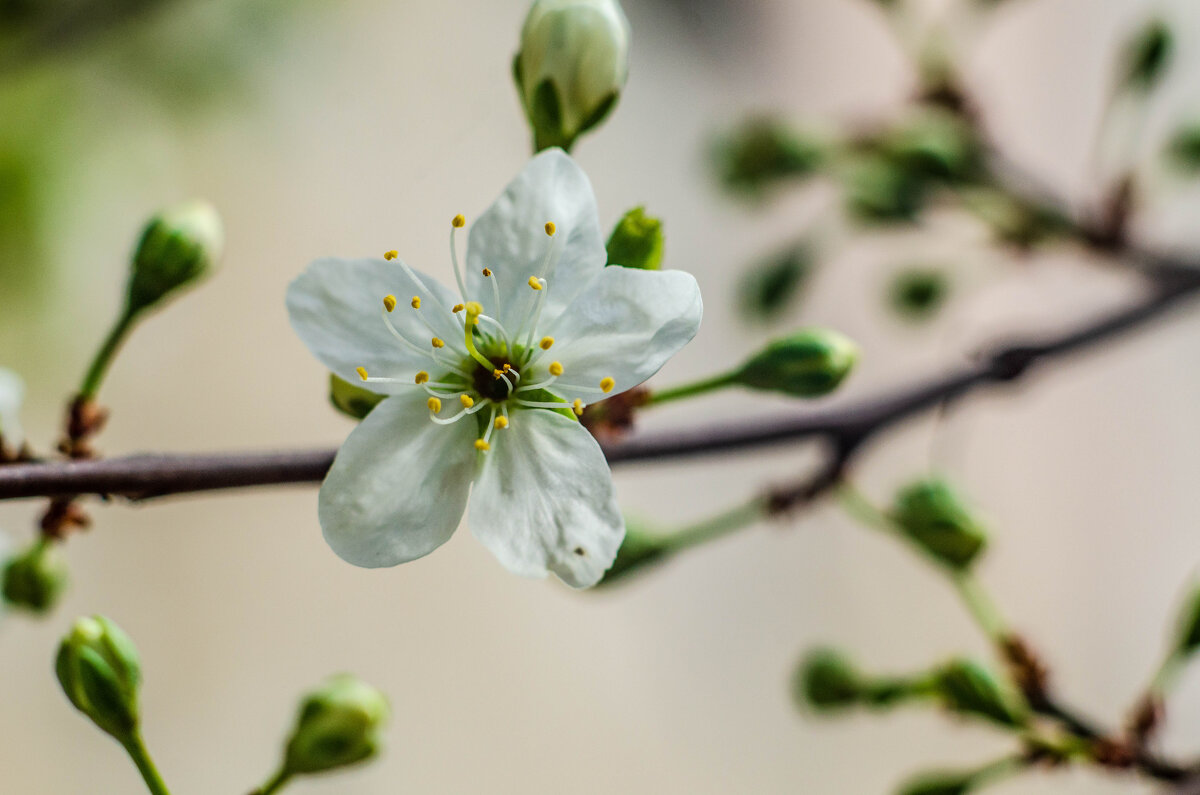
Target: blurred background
pixel 361 126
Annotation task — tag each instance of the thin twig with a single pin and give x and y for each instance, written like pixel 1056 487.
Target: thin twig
pixel 844 428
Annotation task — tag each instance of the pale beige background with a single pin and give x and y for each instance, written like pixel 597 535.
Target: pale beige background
pixel 368 126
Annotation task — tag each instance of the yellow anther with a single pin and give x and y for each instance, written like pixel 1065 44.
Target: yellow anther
pixel 607 384
pixel 546 343
pixel 421 378
pixel 535 283
pixel 487 271
pixel 501 422
pixel 458 222
pixel 416 302
pixel 497 373
pixel 467 401
pixel 437 342
pixel 389 302
pixel 481 444
pixel 434 404
pixel 577 407
pixel 362 372
pixel 556 369
pixel 506 367
pixel 391 254
pixel 457 308
pixel 551 228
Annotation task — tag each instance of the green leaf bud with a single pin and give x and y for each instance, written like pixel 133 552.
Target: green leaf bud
pixel 807 364
pixel 351 399
pixel 939 784
pixel 339 725
pixel 99 670
pixel 35 579
pixel 935 144
pixel 932 516
pixel 919 292
pixel 1147 56
pixel 965 686
pixel 770 286
pixel 880 190
pixel 826 680
pixel 571 68
pixel 637 241
pixel 1184 149
pixel 178 247
pixel 764 152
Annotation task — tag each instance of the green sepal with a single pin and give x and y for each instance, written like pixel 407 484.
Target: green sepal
pixel 351 399
pixel 636 241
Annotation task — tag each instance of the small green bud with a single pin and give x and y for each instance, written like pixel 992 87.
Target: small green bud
pixel 35 579
pixel 771 285
pixel 637 241
pixel 571 68
pixel 826 680
pixel 338 725
pixel 1147 56
pixel 935 144
pixel 177 247
pixel 881 190
pixel 764 152
pixel 1184 149
pixel 351 399
pixel 100 673
pixel 932 516
pixel 1188 633
pixel 920 292
pixel 967 687
pixel 939 784
pixel 808 364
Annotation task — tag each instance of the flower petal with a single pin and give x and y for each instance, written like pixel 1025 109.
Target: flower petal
pixel 544 501
pixel 335 308
pixel 398 486
pixel 510 239
pixel 625 326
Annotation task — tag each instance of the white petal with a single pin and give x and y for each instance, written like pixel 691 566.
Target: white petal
pixel 335 308
pixel 544 500
pixel 624 326
pixel 398 486
pixel 12 395
pixel 510 239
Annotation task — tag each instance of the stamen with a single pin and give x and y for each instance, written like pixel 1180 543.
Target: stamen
pixel 485 443
pixel 387 321
pixel 607 384
pixel 455 224
pixel 546 343
pixel 487 272
pixel 482 445
pixel 434 404
pixel 535 282
pixel 457 308
pixel 421 377
pixel 362 372
pixel 391 255
pixel 500 422
pixel 555 369
pixel 416 302
pixel 389 302
pixel 496 323
pixel 550 228
pixel 462 413
pixel 467 401
pixel 437 343
pixel 577 407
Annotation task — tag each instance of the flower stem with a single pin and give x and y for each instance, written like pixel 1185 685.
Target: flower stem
pixel 106 354
pixel 716 526
pixel 691 390
pixel 276 783
pixel 136 749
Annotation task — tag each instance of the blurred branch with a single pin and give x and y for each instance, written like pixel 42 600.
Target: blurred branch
pixel 844 429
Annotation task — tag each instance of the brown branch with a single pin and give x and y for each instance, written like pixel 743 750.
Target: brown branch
pixel 844 428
